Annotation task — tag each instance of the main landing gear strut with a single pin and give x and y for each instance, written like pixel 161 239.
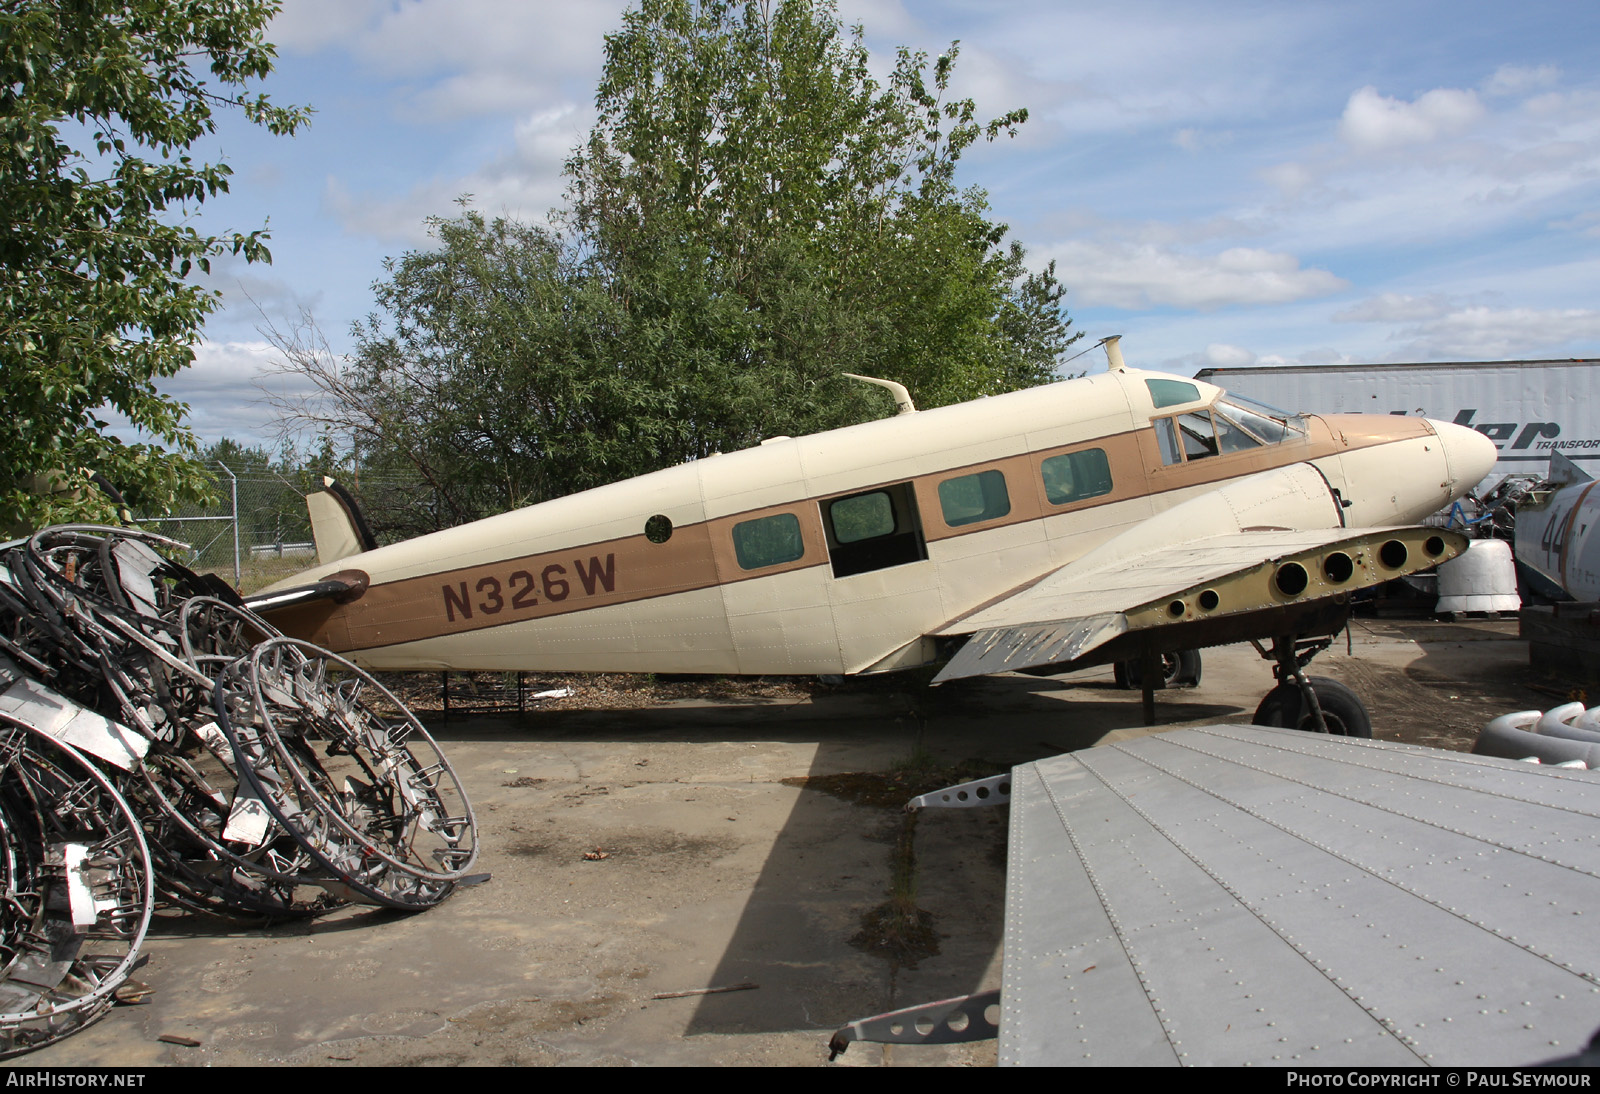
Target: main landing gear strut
pixel 1306 702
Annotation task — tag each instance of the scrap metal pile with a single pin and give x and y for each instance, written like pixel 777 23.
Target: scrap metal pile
pixel 160 740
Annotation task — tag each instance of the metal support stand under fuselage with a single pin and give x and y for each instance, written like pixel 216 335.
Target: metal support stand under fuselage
pixel 1150 673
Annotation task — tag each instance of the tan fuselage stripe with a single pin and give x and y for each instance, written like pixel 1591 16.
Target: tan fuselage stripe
pixel 700 556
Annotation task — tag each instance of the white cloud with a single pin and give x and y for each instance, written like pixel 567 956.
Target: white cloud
pixel 1373 122
pixel 458 58
pixel 1586 224
pixel 1191 139
pixel 1222 355
pixel 1466 172
pixel 1311 357
pixel 524 182
pixel 1395 307
pixel 1516 80
pixel 221 390
pixel 1142 275
pixel 1291 179
pixel 880 18
pixel 1489 334
pixel 252 288
pixel 310 25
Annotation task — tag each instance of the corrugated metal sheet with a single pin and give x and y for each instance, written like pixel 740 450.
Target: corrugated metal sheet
pixel 1240 895
pixel 1529 408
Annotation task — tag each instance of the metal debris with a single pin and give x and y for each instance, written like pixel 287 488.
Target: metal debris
pixel 77 893
pixel 156 736
pixel 1566 735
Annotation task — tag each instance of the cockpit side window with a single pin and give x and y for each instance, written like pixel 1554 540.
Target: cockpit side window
pixel 1171 392
pixel 1230 438
pixel 1167 438
pixel 1229 426
pixel 1199 436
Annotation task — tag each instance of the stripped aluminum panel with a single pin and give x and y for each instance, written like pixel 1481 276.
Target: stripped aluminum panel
pixel 1007 648
pixel 1241 895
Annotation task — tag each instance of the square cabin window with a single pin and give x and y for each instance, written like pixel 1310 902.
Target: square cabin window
pixel 1074 476
pixel 973 498
pixel 768 541
pixel 862 516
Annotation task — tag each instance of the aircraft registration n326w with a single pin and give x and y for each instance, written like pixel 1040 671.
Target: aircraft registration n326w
pixel 1115 517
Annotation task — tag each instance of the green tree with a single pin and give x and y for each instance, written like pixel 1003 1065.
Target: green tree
pixel 773 216
pixel 490 380
pixel 752 215
pixel 100 102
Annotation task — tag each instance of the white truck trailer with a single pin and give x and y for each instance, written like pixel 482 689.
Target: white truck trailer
pixel 1528 408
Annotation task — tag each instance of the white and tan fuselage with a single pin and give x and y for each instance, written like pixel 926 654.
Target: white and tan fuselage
pixel 576 584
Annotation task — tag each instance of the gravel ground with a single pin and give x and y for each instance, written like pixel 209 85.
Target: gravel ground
pixel 736 839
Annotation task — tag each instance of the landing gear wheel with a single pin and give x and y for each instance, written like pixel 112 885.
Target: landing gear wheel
pixel 1177 669
pixel 1285 706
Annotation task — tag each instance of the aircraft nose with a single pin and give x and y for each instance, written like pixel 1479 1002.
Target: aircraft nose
pixel 1468 454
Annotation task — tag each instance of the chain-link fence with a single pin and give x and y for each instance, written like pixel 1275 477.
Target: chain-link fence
pixel 256 531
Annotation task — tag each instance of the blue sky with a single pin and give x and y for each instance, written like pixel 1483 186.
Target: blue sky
pixel 1222 183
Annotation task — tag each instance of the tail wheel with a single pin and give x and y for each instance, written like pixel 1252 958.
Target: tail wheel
pixel 1344 712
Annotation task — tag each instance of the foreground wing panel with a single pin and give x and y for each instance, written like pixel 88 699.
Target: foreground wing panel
pixel 1237 895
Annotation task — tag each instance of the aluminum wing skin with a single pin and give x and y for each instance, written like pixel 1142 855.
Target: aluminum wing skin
pixel 1235 895
pixel 1257 557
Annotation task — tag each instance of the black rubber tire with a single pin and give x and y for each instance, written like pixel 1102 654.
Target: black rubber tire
pixel 1344 712
pixel 1177 670
pixel 1188 668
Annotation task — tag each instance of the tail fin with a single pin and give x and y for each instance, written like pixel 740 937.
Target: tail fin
pixel 1564 472
pixel 337 524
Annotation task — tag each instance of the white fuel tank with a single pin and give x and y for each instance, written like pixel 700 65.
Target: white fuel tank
pixel 1484 579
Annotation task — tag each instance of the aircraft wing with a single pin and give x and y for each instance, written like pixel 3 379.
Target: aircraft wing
pixel 1247 896
pixel 1259 557
pixel 1243 895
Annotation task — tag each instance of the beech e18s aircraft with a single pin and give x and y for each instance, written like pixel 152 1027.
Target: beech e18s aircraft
pixel 1117 517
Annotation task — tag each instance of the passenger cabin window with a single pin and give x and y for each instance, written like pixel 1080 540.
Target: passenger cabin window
pixel 873 530
pixel 974 498
pixel 1074 476
pixel 864 516
pixel 768 541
